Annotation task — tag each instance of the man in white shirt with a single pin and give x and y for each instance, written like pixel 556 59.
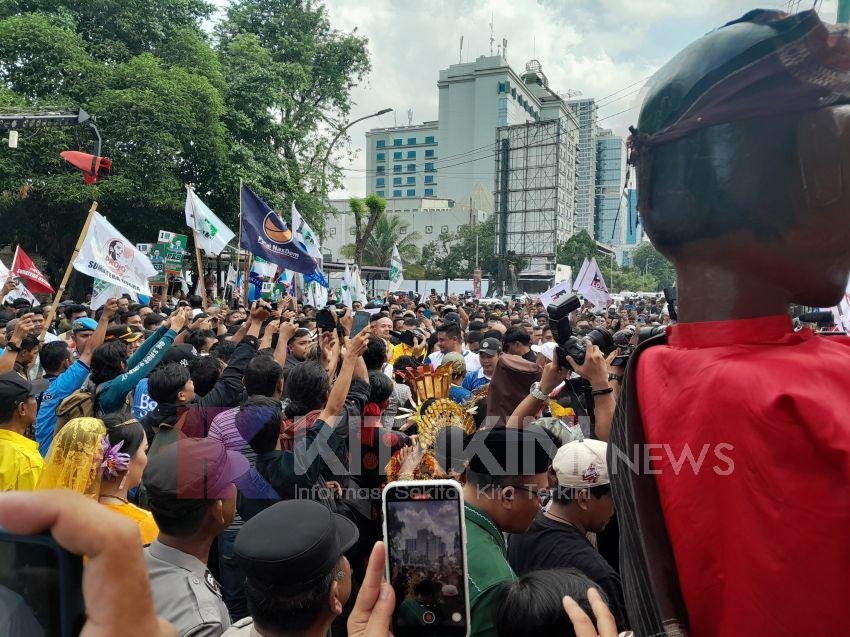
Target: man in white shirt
pixel 449 339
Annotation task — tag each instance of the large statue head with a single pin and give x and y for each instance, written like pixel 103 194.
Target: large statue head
pixel 742 152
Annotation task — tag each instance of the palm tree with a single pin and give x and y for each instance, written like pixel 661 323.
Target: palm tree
pixel 387 232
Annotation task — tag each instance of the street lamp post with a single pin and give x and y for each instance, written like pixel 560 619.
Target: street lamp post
pixel 335 139
pixel 646 266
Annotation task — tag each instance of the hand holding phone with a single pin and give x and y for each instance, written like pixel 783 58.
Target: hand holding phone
pixel 425 536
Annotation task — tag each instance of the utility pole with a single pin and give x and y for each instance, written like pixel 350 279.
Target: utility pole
pixel 843 11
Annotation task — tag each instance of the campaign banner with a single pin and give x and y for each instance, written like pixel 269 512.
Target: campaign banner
pixel 556 293
pixel 107 255
pixel 175 250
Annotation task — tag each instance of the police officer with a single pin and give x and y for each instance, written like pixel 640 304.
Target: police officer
pixel 503 485
pixel 193 499
pixel 298 586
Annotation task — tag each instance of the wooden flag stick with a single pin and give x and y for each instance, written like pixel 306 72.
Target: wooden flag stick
pixel 61 289
pixel 201 281
pixel 249 258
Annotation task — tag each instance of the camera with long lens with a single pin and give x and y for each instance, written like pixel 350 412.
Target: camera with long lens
pixel 646 333
pixel 568 343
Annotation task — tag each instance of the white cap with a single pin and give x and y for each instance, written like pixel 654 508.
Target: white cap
pixel 547 349
pixel 581 464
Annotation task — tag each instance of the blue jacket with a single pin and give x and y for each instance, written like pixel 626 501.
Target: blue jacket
pixel 474 380
pixel 60 388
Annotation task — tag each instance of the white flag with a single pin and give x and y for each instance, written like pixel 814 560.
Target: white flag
pixel 264 268
pixel 316 295
pixel 396 270
pixel 304 233
pixel 103 291
pixel 593 286
pixel 346 289
pixel 108 256
pixel 20 292
pixel 555 293
pixel 212 234
pixel 232 275
pixel 581 274
pixel 359 290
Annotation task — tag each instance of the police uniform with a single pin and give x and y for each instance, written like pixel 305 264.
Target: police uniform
pixel 185 592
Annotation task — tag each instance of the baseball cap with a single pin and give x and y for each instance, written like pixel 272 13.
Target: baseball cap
pixel 451 317
pixel 316 538
pixel 123 333
pixel 182 353
pixel 547 349
pixel 192 469
pixel 491 346
pixel 84 325
pixel 14 388
pixel 581 464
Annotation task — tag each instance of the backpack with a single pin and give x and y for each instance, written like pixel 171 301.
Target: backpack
pixel 83 403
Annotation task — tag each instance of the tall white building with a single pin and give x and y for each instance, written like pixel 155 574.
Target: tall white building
pixel 454 157
pixel 612 208
pixel 585 111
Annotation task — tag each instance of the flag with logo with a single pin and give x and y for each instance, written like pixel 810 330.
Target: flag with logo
pixel 24 268
pixel 396 270
pixel 315 295
pixel 103 291
pixel 108 256
pixel 175 250
pixel 212 235
pixel 263 268
pixel 345 290
pixel 593 286
pixel 310 242
pixel 19 292
pixel 266 235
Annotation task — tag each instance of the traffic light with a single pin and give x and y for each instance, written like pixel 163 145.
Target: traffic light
pixel 93 167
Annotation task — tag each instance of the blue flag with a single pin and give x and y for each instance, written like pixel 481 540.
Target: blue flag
pixel 266 235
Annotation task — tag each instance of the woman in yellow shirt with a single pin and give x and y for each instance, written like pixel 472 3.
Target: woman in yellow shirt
pixel 101 459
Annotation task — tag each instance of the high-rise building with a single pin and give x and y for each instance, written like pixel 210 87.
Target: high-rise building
pixel 611 205
pixel 453 157
pixel 633 230
pixel 585 111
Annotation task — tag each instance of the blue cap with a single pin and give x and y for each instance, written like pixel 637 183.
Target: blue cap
pixel 84 324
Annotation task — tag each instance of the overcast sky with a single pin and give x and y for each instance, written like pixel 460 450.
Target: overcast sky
pixel 597 47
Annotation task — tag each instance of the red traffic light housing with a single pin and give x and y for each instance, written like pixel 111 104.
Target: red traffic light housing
pixel 93 167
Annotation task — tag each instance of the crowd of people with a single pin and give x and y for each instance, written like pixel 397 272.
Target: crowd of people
pixel 201 426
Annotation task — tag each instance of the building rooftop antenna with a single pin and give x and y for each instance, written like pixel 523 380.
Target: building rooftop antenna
pixel 492 39
pixel 505 48
pixel 410 117
pixel 460 51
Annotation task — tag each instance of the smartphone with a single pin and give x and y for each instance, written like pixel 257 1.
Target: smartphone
pixel 433 291
pixel 40 587
pixel 361 322
pixel 425 536
pixel 325 319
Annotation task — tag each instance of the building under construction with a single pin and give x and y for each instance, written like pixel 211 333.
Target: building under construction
pixel 535 195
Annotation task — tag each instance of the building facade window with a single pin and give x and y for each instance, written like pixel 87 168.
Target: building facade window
pixel 444 228
pixel 429 166
pixel 402 230
pixel 379 181
pixel 333 232
pixel 429 192
pixel 381 156
pixel 380 143
pixel 411 180
pixel 429 229
pixel 411 168
pixel 411 193
pixel 411 154
pixel 429 153
pixel 411 141
pixel 397 155
pixel 429 140
pixel 429 179
pixel 396 193
pixel 397 168
pixel 380 193
pixel 380 170
pixel 397 142
pixel 396 181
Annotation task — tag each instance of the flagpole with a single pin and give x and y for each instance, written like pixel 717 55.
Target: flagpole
pixel 49 320
pixel 201 280
pixel 250 259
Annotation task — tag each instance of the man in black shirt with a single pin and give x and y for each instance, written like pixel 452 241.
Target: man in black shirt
pixel 516 341
pixel 581 504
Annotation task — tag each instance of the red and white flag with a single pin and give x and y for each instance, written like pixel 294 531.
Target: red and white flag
pixel 23 267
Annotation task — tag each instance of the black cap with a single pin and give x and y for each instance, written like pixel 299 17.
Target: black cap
pixel 451 317
pixel 192 469
pixel 293 541
pixel 181 353
pixel 14 388
pixel 511 452
pixel 491 346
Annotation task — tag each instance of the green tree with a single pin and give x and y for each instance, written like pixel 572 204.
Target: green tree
pixel 388 232
pixel 633 280
pixel 366 213
pixel 646 258
pixel 161 124
pixel 576 249
pixel 291 75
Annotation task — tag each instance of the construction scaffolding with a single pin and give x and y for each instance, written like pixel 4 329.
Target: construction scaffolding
pixel 535 191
